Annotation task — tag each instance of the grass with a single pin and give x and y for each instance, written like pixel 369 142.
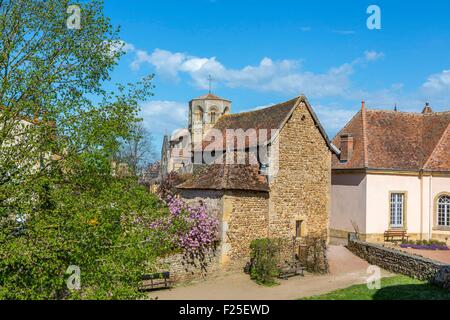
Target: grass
pixel 392 288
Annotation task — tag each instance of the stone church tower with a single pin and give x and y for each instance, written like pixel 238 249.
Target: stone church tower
pixel 178 149
pixel 204 112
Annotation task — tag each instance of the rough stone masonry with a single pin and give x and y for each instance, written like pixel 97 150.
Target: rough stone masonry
pixel 401 262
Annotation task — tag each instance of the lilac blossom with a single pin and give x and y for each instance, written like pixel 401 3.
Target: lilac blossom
pixel 201 227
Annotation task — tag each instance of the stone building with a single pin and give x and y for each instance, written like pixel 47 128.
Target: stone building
pixel 393 173
pixel 177 149
pixel 284 193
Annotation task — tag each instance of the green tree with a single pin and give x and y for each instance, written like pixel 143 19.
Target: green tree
pixel 59 128
pixel 137 150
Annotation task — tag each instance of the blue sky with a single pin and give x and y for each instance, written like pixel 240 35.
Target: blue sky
pixel 264 52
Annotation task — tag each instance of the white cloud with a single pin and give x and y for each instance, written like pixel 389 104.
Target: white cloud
pixel 333 118
pixel 160 116
pixel 437 84
pixel 373 55
pixel 285 76
pixel 116 46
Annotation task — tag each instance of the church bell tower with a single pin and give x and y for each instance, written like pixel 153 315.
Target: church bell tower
pixel 204 112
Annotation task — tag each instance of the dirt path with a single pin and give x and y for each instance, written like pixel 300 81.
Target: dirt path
pixel 345 270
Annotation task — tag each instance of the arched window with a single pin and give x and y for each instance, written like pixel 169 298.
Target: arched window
pixel 213 112
pixel 198 114
pixel 213 116
pixel 443 211
pixel 226 110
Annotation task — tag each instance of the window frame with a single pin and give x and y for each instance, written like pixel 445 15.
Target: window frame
pixel 396 226
pixel 437 226
pixel 198 114
pixel 299 225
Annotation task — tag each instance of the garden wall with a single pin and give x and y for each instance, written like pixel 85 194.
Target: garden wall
pixel 185 270
pixel 401 262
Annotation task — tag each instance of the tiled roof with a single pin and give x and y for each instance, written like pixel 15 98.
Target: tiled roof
pixel 269 119
pixel 210 96
pixel 227 177
pixel 246 176
pixel 397 141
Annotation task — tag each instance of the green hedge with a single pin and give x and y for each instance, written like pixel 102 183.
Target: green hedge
pixel 264 259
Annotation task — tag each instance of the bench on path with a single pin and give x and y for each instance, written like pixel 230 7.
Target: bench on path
pixel 292 269
pixel 395 235
pixel 156 281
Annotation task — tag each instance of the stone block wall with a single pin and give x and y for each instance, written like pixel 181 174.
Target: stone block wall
pixel 243 217
pixel 401 262
pixel 301 188
pixel 246 218
pixel 182 270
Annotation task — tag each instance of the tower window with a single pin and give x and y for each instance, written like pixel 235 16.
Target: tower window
pixel 198 114
pixel 213 117
pixel 298 228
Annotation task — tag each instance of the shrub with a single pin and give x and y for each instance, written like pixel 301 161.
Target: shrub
pixel 264 258
pixel 425 244
pixel 189 229
pixel 314 256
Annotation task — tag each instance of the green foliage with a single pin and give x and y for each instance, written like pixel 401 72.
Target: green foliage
pixel 59 129
pixel 392 288
pixel 264 258
pixel 314 254
pixel 103 230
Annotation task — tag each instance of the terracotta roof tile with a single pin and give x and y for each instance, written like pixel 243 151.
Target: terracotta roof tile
pixel 227 177
pixel 397 140
pixel 246 176
pixel 209 96
pixel 268 119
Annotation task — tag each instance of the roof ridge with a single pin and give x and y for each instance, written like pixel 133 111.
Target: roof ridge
pixel 346 125
pixel 257 110
pixel 408 112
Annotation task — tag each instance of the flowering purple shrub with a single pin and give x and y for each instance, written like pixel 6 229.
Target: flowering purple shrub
pixel 190 229
pixel 425 247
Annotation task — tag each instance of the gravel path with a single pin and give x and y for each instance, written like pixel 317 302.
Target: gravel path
pixel 345 270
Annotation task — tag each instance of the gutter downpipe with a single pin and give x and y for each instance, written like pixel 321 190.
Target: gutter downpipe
pixel 421 204
pixel 430 208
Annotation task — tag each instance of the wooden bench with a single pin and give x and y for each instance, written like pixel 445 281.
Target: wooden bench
pixel 395 235
pixel 156 281
pixel 290 269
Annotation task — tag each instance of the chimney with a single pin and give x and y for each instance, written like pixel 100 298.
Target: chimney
pixel 346 147
pixel 363 105
pixel 427 109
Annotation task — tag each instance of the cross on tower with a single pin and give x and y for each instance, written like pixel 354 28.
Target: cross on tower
pixel 210 80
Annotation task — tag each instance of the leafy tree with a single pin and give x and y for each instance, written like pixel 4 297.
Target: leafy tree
pixel 137 150
pixel 59 128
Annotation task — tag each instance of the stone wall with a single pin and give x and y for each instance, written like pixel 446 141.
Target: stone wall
pixel 401 262
pixel 300 191
pixel 245 218
pixel 211 198
pixel 182 270
pixel 301 188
